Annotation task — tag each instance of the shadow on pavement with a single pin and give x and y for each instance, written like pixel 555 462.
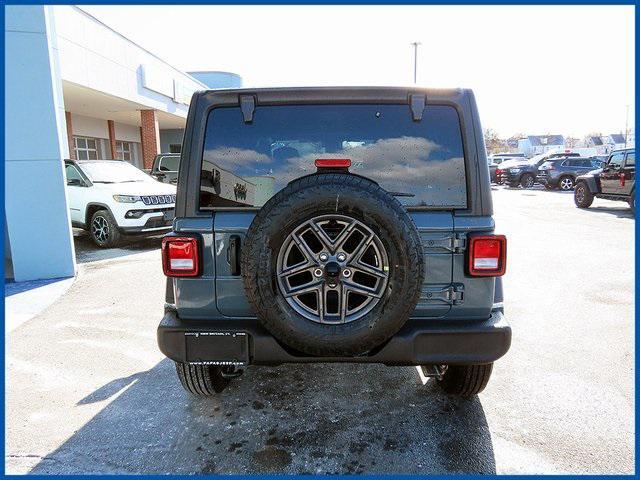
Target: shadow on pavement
pixel 624 212
pixel 289 419
pixel 12 288
pixel 87 251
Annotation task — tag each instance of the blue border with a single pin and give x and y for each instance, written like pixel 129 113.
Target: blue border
pixel 165 2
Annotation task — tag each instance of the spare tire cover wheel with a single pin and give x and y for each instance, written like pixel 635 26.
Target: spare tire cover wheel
pixel 332 264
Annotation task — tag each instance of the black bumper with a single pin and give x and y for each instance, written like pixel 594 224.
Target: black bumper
pixel 419 342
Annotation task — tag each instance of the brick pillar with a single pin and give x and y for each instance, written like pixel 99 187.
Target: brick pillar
pixel 72 150
pixel 150 136
pixel 112 137
pixel 141 144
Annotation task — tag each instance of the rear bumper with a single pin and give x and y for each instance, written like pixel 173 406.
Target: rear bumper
pixel 419 342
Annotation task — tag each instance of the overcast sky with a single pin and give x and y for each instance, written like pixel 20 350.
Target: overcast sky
pixel 534 69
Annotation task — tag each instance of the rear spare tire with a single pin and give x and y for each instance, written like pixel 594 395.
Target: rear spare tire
pixel 332 265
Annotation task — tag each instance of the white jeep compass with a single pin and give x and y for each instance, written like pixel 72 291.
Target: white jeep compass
pixel 112 198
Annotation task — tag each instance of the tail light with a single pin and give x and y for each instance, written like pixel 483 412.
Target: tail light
pixel 180 257
pixel 487 255
pixel 498 171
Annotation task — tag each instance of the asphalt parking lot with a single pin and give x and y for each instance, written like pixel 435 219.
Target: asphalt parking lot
pixel 89 392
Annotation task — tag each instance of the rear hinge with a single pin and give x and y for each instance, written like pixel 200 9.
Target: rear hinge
pixel 452 295
pixel 453 243
pixel 458 243
pixel 248 106
pixel 417 102
pixel 456 293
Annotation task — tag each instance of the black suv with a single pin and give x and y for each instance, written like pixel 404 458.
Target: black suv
pixel 334 225
pixel 615 181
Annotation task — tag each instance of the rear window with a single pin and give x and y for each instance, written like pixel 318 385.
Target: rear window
pixel 245 164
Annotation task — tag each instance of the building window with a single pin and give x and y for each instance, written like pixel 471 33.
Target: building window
pixel 123 151
pixel 86 148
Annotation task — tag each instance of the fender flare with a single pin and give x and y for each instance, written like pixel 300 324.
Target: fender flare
pixel 590 182
pixel 102 206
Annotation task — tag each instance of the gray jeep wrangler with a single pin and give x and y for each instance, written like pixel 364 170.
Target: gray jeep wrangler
pixel 334 225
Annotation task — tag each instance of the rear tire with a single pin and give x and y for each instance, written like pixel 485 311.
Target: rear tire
pixel 465 380
pixel 582 196
pixel 527 181
pixel 103 230
pixel 201 380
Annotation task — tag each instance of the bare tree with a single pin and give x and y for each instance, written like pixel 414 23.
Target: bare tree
pixel 493 142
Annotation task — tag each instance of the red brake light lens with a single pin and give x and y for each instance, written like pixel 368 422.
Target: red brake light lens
pixel 487 255
pixel 180 257
pixel 333 162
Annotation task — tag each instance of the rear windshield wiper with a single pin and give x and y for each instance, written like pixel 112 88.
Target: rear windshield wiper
pixel 101 181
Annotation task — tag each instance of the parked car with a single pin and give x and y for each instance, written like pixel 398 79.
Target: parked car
pixel 524 173
pixel 498 158
pixel 112 198
pixel 340 239
pixel 616 180
pixel 562 172
pixel 165 167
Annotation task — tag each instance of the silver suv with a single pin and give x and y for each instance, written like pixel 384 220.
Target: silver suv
pixel 562 172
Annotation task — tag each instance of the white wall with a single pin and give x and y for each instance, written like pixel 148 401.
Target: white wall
pixel 95 56
pixel 89 127
pixel 127 133
pixel 37 216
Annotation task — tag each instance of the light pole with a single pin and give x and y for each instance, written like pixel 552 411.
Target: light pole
pixel 626 125
pixel 415 61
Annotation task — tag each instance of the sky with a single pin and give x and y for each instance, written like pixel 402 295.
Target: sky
pixel 534 69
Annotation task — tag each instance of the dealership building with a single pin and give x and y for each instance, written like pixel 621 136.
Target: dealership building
pixel 75 88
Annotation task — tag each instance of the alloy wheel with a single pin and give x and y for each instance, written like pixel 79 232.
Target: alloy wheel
pixel 566 184
pixel 332 269
pixel 100 229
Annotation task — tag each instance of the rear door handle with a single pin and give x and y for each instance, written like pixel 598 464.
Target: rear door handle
pixel 233 255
